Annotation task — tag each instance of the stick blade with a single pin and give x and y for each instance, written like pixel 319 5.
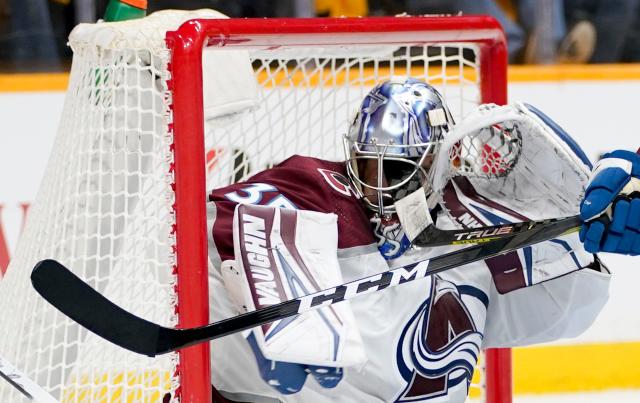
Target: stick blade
pixel 87 307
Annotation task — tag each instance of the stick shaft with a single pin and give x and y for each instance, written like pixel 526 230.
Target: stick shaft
pixel 377 282
pixel 79 301
pixel 433 236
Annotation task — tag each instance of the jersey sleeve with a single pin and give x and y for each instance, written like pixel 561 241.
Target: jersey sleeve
pixel 562 308
pixel 467 207
pixel 298 183
pixel 550 290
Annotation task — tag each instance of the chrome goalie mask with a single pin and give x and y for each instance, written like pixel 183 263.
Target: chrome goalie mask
pixel 392 139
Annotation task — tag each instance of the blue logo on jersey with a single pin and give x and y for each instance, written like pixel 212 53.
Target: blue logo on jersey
pixel 439 347
pixel 392 241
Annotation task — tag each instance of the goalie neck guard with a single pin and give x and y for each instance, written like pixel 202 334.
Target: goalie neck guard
pixel 392 139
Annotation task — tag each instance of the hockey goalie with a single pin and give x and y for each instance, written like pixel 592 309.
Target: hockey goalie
pixel 309 224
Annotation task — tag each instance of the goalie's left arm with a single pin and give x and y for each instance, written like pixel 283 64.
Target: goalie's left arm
pixel 611 206
pixel 553 289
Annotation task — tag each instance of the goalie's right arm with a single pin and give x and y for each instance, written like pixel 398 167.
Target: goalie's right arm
pixel 286 351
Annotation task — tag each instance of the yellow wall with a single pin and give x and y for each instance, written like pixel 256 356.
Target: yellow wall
pixel 33 82
pixel 517 74
pixel 576 368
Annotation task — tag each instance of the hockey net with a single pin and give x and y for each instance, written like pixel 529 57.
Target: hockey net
pixel 122 201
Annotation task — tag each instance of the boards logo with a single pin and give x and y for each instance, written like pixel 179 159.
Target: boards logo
pixel 438 348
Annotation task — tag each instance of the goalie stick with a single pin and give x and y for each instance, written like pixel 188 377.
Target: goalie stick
pixel 433 236
pixel 23 384
pixel 76 299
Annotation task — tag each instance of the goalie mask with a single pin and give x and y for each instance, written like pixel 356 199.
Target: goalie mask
pixel 392 139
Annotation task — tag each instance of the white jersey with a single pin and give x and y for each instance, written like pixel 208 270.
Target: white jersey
pixel 421 339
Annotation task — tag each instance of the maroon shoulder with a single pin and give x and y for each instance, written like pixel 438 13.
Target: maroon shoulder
pixel 299 182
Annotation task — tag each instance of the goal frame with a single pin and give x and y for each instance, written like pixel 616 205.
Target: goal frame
pixel 186 82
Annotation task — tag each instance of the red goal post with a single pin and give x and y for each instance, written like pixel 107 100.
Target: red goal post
pixel 186 83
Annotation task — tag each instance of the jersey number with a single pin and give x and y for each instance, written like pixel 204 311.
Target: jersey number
pixel 253 194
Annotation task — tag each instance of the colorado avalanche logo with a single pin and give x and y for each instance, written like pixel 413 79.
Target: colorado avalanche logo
pixel 439 347
pixel 338 182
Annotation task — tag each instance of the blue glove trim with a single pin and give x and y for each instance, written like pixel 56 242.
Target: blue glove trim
pixel 611 242
pixel 629 156
pixel 636 246
pixel 609 180
pixel 626 243
pixel 597 199
pixel 593 236
pixel 633 221
pixel 620 216
pixel 562 135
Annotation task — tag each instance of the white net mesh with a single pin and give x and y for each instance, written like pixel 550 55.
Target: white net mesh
pixel 491 152
pixel 305 103
pixel 104 209
pixel 105 204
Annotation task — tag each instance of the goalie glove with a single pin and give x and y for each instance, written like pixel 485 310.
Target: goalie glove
pixel 611 206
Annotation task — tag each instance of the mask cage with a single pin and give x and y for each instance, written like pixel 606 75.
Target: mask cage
pixel 387 193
